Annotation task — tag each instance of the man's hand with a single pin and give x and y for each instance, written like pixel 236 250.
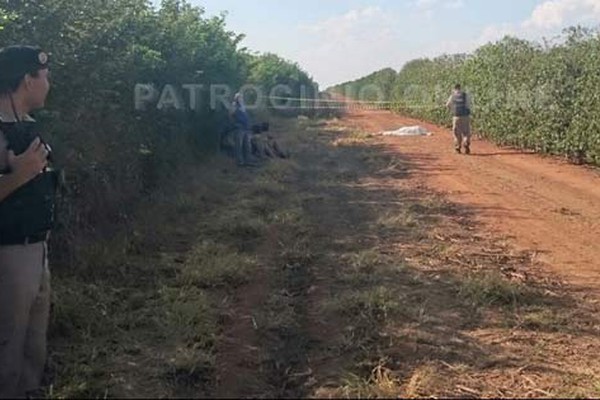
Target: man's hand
pixel 30 163
pixel 449 103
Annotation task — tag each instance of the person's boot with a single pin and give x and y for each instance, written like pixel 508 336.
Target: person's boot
pixel 467 150
pixel 457 149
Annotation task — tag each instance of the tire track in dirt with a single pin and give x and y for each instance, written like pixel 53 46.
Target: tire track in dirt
pixel 263 350
pixel 544 204
pixel 239 370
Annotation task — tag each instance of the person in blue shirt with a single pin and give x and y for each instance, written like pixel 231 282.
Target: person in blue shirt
pixel 242 148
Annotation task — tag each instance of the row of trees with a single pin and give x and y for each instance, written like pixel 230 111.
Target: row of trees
pixel 541 96
pixel 100 50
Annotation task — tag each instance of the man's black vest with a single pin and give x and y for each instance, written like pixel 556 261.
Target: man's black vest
pixel 459 105
pixel 29 210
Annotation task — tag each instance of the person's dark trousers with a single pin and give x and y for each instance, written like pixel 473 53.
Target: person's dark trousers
pixel 243 147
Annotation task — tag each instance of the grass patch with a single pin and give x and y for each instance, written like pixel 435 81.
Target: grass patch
pixel 280 171
pixel 355 138
pixel 238 226
pixel 87 325
pixel 190 368
pixel 84 381
pixel 422 381
pixel 579 387
pixel 367 261
pixel 381 383
pixel 106 256
pixel 81 309
pixel 397 220
pixel 280 315
pixel 375 304
pixel 289 216
pixel 493 289
pixel 543 319
pixel 368 268
pixel 212 265
pixel 265 186
pixel 190 316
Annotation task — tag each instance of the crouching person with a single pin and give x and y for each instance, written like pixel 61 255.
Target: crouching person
pixel 265 145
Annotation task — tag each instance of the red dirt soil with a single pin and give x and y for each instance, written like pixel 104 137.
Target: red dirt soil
pixel 544 204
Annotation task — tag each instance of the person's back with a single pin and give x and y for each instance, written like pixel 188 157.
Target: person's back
pixel 459 104
pixel 460 107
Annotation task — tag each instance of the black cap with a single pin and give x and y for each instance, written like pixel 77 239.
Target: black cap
pixel 16 61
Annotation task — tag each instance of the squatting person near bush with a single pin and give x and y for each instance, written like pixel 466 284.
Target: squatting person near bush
pixel 27 190
pixel 459 104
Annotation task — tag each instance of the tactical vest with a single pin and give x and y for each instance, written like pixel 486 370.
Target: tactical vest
pixel 459 105
pixel 29 210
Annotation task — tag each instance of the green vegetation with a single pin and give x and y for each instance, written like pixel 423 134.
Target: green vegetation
pixel 115 155
pixel 528 95
pixel 138 275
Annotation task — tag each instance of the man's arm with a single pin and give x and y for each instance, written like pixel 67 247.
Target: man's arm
pixel 24 168
pixel 449 102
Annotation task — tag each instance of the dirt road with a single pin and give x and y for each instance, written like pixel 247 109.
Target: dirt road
pixel 361 267
pixel 373 279
pixel 544 204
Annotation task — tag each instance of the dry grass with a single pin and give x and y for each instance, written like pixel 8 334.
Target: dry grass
pixel 355 138
pixel 380 384
pixel 492 288
pixel 328 275
pixel 210 265
pixel 151 297
pixel 421 380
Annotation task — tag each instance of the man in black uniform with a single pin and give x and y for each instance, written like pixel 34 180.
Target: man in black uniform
pixel 27 188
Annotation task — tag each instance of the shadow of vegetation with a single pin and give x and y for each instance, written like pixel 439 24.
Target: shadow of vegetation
pixel 358 278
pixel 503 153
pixel 394 311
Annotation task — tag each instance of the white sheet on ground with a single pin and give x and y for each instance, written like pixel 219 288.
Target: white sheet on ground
pixel 408 131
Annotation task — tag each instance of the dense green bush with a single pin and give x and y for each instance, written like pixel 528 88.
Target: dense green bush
pixel 530 95
pixel 100 49
pixel 278 81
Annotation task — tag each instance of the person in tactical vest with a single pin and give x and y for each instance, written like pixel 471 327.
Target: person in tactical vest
pixel 27 189
pixel 459 104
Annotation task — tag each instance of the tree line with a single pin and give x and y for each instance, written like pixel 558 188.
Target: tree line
pixel 540 96
pixel 114 154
